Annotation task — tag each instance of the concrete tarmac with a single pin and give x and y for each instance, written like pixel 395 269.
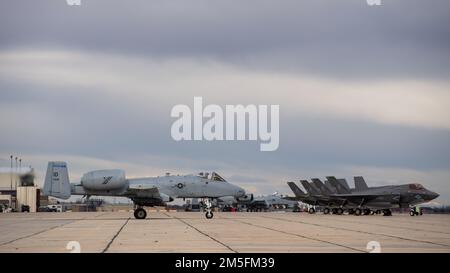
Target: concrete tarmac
pixel 227 232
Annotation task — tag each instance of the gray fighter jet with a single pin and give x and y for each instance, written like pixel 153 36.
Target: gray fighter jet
pixel 317 195
pixel 384 197
pixel 303 197
pixel 341 186
pixel 274 200
pixel 148 191
pixel 364 199
pixel 258 203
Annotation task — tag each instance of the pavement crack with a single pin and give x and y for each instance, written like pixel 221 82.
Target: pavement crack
pixel 298 235
pixel 34 234
pixel 360 231
pixel 205 234
pixel 390 226
pixel 115 236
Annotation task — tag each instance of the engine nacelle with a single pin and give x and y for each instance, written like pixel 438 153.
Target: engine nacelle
pixel 104 180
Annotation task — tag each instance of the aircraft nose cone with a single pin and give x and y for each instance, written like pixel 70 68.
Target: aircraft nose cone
pixel 240 192
pixel 433 195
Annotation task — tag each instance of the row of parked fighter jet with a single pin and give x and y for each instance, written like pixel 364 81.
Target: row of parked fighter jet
pixel 335 196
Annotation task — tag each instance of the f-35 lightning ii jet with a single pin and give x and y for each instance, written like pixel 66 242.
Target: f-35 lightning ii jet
pixel 317 195
pixel 361 199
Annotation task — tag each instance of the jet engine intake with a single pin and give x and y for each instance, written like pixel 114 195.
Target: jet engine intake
pixel 245 198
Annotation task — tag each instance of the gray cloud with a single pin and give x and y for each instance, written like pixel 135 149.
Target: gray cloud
pixel 112 107
pixel 246 179
pixel 403 38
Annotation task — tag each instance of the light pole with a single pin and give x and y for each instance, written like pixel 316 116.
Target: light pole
pixel 11 174
pixel 16 175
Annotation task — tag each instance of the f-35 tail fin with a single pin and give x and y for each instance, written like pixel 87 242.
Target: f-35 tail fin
pixel 310 188
pixel 360 184
pixel 340 188
pixel 331 187
pixel 344 183
pixel 295 189
pixel 321 186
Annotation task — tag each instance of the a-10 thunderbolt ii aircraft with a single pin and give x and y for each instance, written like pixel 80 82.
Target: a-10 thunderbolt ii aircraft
pixel 148 191
pixel 361 199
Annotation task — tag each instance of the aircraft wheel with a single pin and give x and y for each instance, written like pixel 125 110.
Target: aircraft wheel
pixel 340 211
pixel 387 212
pixel 366 211
pixel 358 212
pixel 326 211
pixel 311 211
pixel 333 211
pixel 209 215
pixel 140 213
pixel 411 213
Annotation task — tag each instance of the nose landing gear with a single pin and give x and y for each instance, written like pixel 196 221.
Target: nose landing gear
pixel 415 211
pixel 209 214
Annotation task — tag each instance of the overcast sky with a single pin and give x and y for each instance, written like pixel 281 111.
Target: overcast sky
pixel 363 90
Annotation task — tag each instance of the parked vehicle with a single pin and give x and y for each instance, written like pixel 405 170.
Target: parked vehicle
pixel 25 208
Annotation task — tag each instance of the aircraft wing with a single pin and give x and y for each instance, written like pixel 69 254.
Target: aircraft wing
pixel 290 198
pixel 148 191
pixel 358 198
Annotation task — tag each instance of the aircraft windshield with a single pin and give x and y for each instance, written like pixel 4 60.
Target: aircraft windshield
pixel 416 187
pixel 216 177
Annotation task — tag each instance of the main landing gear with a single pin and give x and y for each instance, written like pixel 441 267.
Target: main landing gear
pixel 140 213
pixel 361 211
pixel 387 212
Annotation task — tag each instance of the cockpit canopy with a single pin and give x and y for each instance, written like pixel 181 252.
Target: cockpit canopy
pixel 416 187
pixel 217 177
pixel 214 177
